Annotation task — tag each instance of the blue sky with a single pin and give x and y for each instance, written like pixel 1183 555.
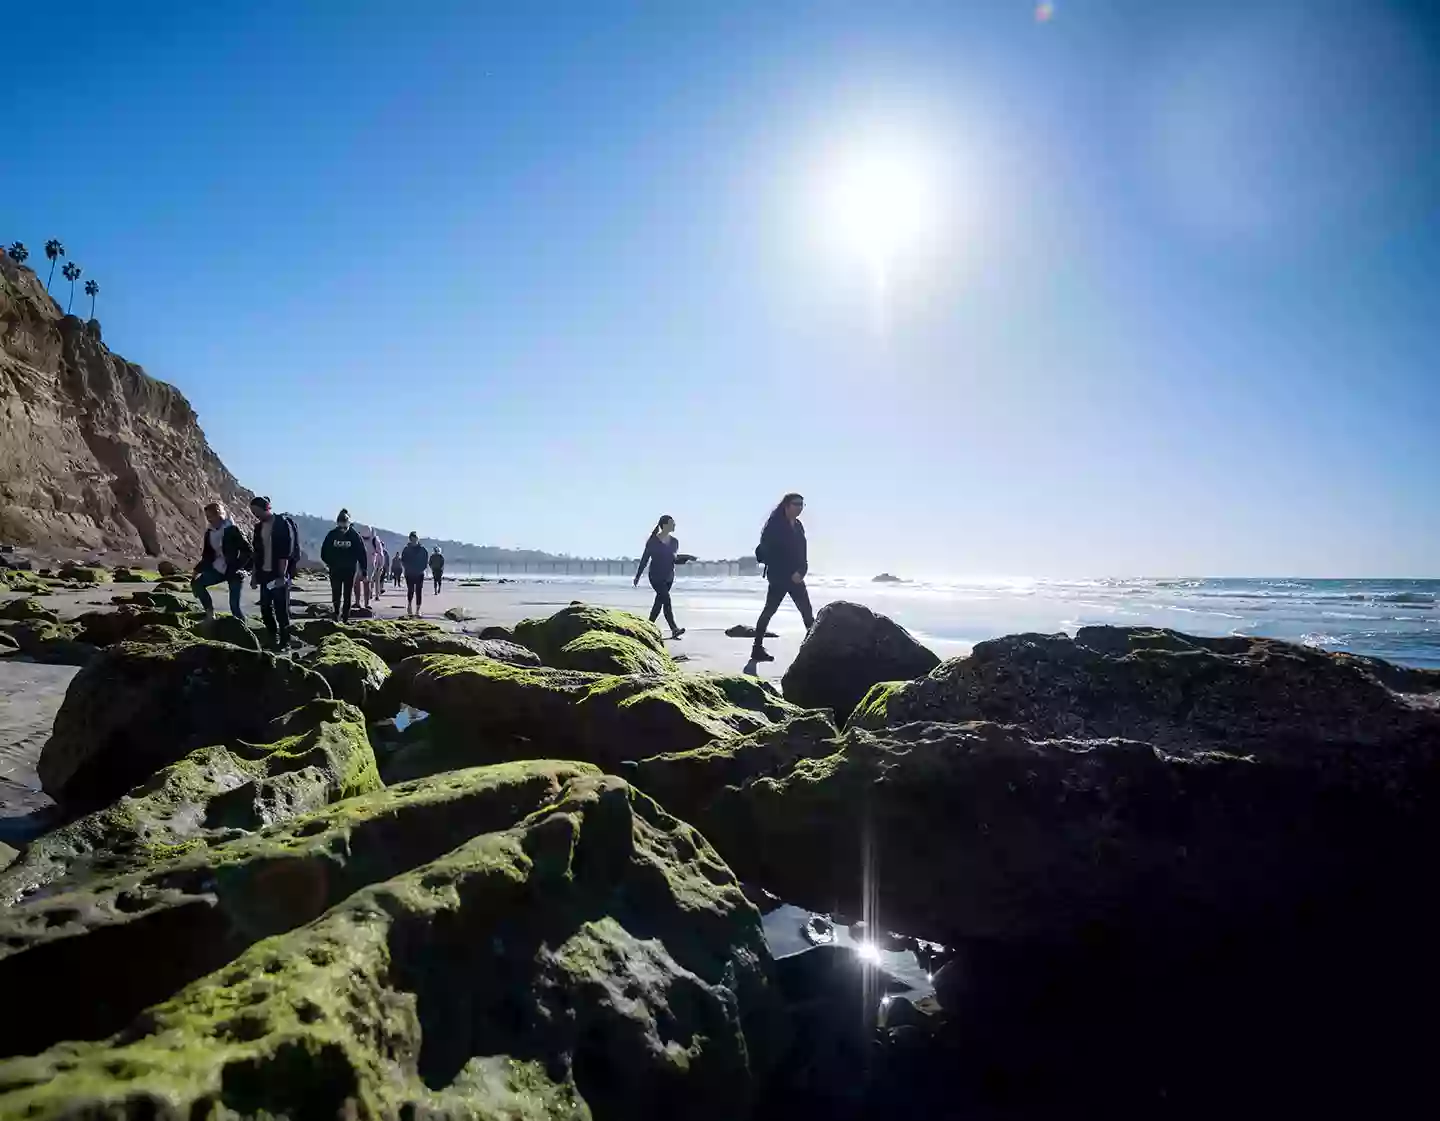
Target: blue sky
pixel 533 273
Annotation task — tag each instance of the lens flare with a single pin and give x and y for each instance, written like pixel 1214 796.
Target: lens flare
pixel 1044 13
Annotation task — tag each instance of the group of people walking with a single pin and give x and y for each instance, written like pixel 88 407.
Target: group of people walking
pixel 358 564
pixel 782 550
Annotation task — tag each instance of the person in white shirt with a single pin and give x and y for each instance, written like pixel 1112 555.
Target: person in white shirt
pixel 224 557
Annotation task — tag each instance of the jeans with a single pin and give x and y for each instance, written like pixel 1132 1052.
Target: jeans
pixel 275 608
pixel 774 597
pixel 341 583
pixel 414 588
pixel 204 581
pixel 438 578
pixel 662 603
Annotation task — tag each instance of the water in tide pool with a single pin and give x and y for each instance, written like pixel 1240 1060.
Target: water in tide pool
pixel 1393 619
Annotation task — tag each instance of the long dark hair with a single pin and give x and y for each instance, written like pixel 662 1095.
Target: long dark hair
pixel 663 519
pixel 778 514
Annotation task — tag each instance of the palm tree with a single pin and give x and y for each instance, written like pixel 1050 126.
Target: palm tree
pixel 92 290
pixel 70 272
pixel 54 250
pixel 18 252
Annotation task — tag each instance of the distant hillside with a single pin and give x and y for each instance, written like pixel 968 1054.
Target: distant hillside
pixel 313 531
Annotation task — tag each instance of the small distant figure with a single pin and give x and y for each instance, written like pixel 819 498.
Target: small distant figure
pixel 397 570
pixel 343 553
pixel 415 559
pixel 276 545
pixel 662 553
pixel 379 564
pixel 225 557
pixel 437 567
pixel 782 551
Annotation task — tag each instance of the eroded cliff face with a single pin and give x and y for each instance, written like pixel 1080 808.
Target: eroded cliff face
pixel 94 453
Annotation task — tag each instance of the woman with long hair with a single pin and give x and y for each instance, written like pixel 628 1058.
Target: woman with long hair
pixel 662 553
pixel 782 551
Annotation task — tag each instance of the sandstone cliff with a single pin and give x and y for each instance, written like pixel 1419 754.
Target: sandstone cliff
pixel 94 453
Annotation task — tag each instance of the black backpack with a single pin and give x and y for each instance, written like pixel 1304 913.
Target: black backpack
pixel 294 541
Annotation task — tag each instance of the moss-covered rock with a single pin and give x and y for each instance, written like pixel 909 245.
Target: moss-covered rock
pixel 485 711
pixel 28 610
pixel 608 652
pixel 105 628
pixel 315 755
pixel 227 628
pixel 160 600
pixel 355 672
pixel 85 574
pixel 122 575
pixel 397 639
pixel 168 568
pixel 686 782
pixel 597 959
pixel 849 649
pixel 55 644
pixel 30 583
pixel 874 707
pixel 549 637
pixel 142 705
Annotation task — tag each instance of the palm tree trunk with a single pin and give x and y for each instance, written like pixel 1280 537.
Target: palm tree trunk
pixel 52 273
pixel 72 298
pixel 92 307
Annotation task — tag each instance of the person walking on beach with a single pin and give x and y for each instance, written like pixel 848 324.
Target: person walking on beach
pixel 662 553
pixel 782 552
pixel 224 557
pixel 276 545
pixel 343 553
pixel 362 581
pixel 414 559
pixel 397 570
pixel 437 567
pixel 379 563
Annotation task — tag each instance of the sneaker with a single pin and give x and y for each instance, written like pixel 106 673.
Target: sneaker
pixel 677 632
pixel 760 654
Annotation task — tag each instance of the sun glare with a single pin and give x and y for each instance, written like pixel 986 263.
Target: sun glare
pixel 880 205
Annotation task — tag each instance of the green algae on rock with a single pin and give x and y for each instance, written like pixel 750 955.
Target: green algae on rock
pixel 148 701
pixel 397 639
pixel 548 637
pixel 595 959
pixel 873 709
pixel 28 610
pixel 609 652
pixel 355 672
pixel 484 711
pixel 316 755
pixel 54 644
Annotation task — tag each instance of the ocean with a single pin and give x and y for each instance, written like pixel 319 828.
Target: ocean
pixel 1393 619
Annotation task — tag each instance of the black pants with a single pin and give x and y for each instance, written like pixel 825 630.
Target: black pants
pixel 275 609
pixel 342 581
pixel 437 583
pixel 414 588
pixel 662 603
pixel 774 596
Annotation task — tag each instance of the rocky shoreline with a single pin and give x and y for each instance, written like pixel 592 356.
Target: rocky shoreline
pixel 408 872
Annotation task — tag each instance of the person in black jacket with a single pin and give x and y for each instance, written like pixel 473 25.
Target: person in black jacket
pixel 224 557
pixel 414 559
pixel 344 554
pixel 782 552
pixel 437 567
pixel 276 545
pixel 662 553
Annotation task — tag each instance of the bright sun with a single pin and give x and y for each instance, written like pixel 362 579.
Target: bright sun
pixel 880 205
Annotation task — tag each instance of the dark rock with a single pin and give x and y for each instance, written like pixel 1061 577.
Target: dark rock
pixel 886 578
pixel 141 705
pixel 50 643
pixel 593 959
pixel 1241 695
pixel 168 568
pixel 397 639
pixel 741 631
pixel 28 610
pixel 850 649
pixel 237 632
pixel 504 634
pixel 105 628
pixel 458 614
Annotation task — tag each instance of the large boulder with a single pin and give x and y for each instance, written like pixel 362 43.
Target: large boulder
pixel 593 959
pixel 549 637
pixel 355 672
pixel 85 574
pixel 315 755
pixel 227 628
pixel 848 650
pixel 397 639
pixel 1241 695
pixel 168 568
pixel 142 705
pixel 485 711
pixel 105 628
pixel 55 644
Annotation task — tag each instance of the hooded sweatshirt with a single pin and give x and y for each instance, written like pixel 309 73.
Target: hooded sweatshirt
pixel 415 559
pixel 344 551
